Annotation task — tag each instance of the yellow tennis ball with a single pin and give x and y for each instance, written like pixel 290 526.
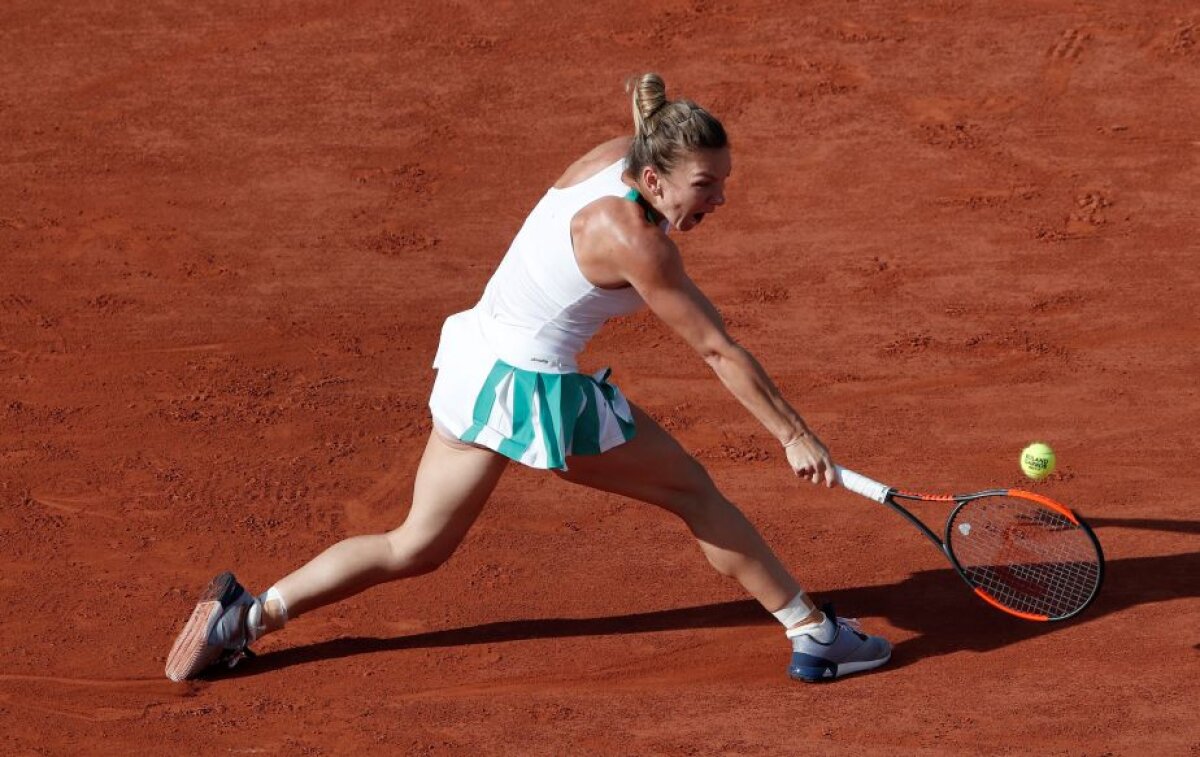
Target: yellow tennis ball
pixel 1037 461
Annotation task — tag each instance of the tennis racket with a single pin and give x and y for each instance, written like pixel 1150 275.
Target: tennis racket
pixel 1021 552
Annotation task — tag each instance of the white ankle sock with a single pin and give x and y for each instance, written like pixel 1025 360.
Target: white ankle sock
pixel 795 611
pixel 255 625
pixel 822 630
pixel 272 595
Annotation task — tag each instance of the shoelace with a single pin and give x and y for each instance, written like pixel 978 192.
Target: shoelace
pixel 853 623
pixel 854 626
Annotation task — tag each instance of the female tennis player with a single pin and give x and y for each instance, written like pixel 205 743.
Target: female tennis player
pixel 597 245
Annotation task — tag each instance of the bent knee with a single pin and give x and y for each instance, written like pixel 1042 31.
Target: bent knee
pixel 696 497
pixel 711 511
pixel 415 558
pixel 693 480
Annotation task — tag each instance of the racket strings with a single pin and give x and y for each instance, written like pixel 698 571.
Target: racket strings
pixel 1025 556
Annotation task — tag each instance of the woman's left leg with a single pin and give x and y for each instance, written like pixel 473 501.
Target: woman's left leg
pixel 653 468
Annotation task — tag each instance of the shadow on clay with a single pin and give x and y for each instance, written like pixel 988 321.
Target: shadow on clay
pixel 1149 524
pixel 948 618
pixel 935 604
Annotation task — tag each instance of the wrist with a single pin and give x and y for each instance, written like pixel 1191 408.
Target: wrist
pixel 796 437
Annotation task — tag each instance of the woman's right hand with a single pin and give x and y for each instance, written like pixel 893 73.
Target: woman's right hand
pixel 810 459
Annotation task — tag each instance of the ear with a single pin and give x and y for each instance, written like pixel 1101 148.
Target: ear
pixel 651 181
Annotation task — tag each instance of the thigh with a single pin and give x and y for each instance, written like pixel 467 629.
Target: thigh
pixel 453 482
pixel 652 467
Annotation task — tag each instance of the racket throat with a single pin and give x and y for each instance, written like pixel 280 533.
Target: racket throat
pixel 924 529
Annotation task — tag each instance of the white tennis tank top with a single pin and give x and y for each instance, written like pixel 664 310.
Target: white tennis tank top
pixel 538 310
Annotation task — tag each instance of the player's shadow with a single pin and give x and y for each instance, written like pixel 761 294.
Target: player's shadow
pixel 948 619
pixel 934 604
pixel 1149 524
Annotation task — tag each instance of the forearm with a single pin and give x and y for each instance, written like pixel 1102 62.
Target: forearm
pixel 745 378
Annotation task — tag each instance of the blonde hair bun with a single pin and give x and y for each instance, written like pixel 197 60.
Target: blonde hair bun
pixel 664 130
pixel 649 95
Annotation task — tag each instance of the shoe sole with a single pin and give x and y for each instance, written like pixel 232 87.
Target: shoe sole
pixel 191 651
pixel 825 674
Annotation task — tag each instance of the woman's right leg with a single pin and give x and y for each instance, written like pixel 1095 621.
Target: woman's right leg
pixel 453 482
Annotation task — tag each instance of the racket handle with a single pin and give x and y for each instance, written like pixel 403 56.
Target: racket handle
pixel 861 485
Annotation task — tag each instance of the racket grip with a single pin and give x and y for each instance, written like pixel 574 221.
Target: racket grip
pixel 861 485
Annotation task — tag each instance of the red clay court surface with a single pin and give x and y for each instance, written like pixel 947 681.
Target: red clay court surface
pixel 229 233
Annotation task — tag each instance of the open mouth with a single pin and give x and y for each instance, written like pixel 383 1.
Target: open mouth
pixel 697 217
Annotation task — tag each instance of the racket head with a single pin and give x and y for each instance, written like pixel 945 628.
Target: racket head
pixel 1025 554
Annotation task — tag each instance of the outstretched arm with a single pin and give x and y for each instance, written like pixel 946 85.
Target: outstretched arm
pixel 655 269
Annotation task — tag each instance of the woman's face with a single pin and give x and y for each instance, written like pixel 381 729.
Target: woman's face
pixel 694 188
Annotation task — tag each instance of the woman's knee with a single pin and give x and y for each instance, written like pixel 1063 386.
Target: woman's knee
pixel 695 497
pixel 410 556
pixel 711 514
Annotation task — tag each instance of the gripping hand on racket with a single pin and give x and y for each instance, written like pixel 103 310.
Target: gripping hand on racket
pixel 810 459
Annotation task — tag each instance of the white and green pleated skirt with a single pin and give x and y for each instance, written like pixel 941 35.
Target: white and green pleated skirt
pixel 537 417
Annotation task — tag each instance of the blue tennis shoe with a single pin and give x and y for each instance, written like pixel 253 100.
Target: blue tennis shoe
pixel 833 648
pixel 225 621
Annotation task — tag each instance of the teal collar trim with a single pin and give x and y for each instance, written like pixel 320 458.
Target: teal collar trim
pixel 634 196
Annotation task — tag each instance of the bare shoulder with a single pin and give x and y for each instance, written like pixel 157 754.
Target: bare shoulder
pixel 598 157
pixel 614 244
